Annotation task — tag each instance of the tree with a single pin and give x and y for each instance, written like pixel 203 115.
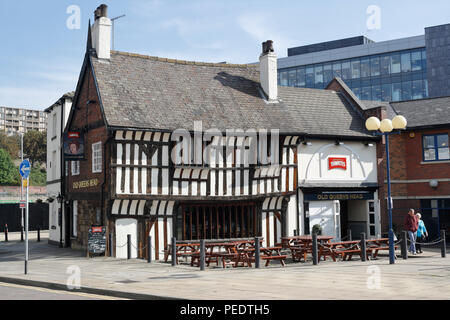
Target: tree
pixel 35 146
pixel 9 174
pixel 11 144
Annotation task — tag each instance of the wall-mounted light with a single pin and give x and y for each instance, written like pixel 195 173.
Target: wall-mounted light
pixel 60 198
pixel 368 144
pixel 339 143
pixel 307 143
pixel 434 184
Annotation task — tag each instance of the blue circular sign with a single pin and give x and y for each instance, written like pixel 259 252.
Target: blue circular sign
pixel 25 168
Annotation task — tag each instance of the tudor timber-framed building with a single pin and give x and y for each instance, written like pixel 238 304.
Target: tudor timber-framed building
pixel 135 180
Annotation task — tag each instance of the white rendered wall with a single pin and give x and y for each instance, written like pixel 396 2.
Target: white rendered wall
pixel 313 163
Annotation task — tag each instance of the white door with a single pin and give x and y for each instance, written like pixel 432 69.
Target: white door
pixel 322 213
pixel 124 227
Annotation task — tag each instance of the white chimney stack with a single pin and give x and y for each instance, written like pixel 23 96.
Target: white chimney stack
pixel 268 71
pixel 101 33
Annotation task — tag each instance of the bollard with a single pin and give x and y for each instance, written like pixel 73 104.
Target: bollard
pixel 202 254
pixel 363 247
pixel 443 246
pixel 404 246
pixel 257 253
pixel 349 234
pixel 110 245
pixel 174 251
pixel 314 249
pixel 6 233
pixel 129 246
pixel 39 234
pixel 149 250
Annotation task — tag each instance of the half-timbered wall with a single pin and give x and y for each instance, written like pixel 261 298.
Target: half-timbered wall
pixel 142 166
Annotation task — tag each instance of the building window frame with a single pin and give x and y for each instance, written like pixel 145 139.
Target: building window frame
pixel 97 157
pixel 75 168
pixel 435 147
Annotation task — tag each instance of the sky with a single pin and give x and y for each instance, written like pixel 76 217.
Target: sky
pixel 42 43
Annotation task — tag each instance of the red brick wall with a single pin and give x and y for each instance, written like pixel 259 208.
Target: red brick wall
pixel 85 115
pixel 89 198
pixel 406 156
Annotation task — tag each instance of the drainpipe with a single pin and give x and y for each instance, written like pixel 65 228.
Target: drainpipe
pixel 107 142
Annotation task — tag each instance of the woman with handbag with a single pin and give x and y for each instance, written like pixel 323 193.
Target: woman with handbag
pixel 422 233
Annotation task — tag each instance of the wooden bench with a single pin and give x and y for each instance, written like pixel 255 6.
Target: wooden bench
pixel 270 258
pixel 375 249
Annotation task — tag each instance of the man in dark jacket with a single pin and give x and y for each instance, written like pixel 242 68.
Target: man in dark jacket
pixel 411 225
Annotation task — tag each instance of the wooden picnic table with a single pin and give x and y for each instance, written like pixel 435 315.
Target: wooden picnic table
pixel 301 246
pixel 230 252
pixel 273 253
pixel 344 249
pixel 376 245
pixel 183 250
pixel 246 256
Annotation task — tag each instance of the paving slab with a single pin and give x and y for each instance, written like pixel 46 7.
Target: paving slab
pixel 425 276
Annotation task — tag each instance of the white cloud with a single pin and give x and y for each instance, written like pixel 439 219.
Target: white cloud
pixel 31 97
pixel 258 27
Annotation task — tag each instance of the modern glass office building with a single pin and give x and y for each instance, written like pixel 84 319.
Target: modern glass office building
pixel 395 70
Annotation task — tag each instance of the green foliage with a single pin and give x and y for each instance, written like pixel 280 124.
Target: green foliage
pixel 38 177
pixel 35 146
pixel 11 144
pixel 9 174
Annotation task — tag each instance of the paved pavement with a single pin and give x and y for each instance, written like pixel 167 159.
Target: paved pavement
pixel 425 276
pixel 10 291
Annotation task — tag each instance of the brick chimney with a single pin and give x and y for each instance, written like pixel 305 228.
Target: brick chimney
pixel 101 33
pixel 268 71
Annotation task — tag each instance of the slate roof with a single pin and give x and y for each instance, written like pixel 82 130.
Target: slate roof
pixel 425 112
pixel 141 92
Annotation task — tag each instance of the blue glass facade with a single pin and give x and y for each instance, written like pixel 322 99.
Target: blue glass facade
pixel 394 76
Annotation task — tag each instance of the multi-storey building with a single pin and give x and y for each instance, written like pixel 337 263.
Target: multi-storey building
pixel 16 120
pixel 58 114
pixel 395 70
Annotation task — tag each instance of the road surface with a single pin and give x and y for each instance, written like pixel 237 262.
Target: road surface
pixel 19 292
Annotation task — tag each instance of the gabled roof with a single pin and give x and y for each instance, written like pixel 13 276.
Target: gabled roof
pixel 425 112
pixel 68 95
pixel 142 92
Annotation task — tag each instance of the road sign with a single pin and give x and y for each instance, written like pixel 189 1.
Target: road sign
pixel 25 183
pixel 23 204
pixel 25 168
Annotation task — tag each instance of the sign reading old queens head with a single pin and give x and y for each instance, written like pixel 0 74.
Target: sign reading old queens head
pixel 85 184
pixel 337 163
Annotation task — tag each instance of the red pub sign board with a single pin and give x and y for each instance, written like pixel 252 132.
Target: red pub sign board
pixel 337 163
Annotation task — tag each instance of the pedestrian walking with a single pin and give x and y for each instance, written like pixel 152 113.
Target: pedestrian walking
pixel 422 233
pixel 411 225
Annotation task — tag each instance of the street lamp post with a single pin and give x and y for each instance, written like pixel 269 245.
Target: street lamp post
pixel 386 127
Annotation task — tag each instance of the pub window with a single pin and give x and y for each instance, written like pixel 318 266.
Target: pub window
pixel 97 157
pixel 75 168
pixel 218 221
pixel 436 147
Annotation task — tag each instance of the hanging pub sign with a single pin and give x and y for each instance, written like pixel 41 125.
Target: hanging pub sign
pixel 73 146
pixel 337 163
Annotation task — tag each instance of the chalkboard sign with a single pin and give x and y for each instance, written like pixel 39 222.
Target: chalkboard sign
pixel 97 240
